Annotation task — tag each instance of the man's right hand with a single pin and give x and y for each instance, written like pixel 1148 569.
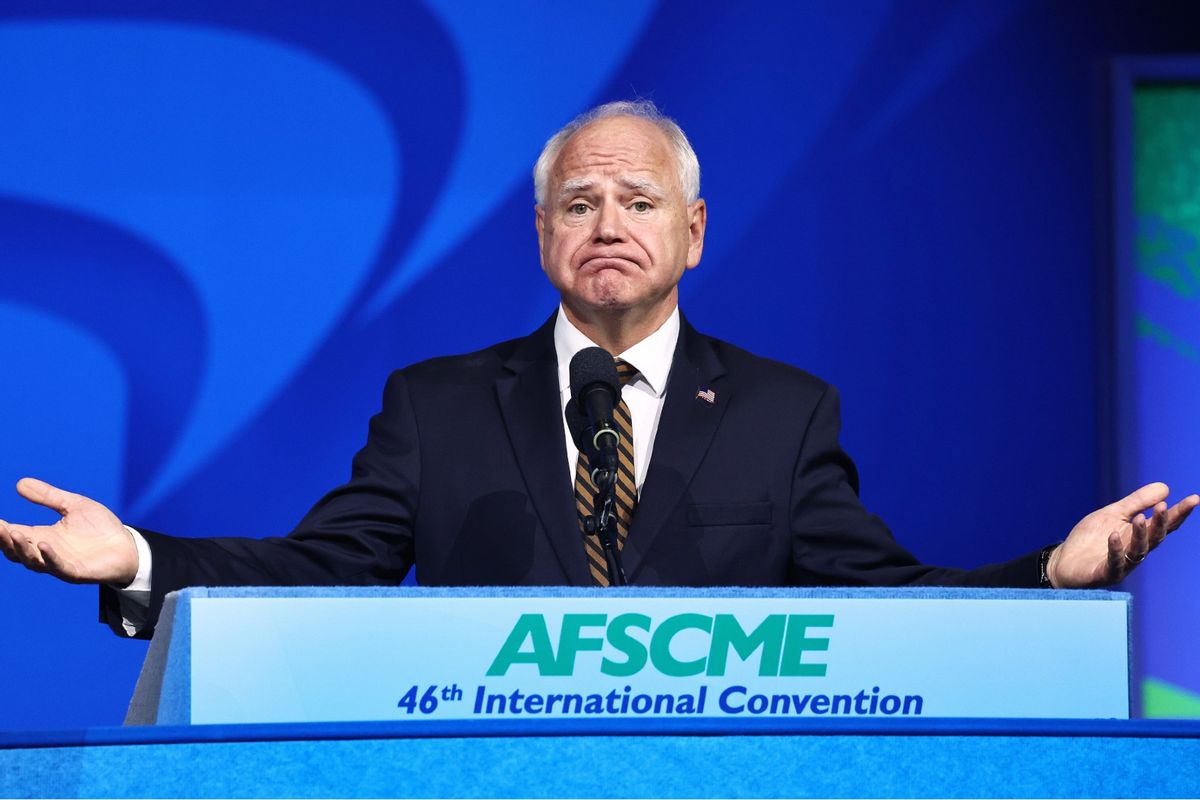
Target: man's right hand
pixel 88 545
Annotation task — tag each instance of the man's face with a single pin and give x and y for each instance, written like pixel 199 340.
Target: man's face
pixel 616 232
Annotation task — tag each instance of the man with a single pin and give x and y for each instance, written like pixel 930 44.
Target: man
pixel 468 471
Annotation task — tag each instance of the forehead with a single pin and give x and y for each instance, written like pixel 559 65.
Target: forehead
pixel 617 146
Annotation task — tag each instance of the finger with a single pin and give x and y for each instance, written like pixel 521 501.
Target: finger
pixel 14 544
pixel 1139 540
pixel 21 532
pixel 1116 565
pixel 44 494
pixel 55 565
pixel 1157 529
pixel 1180 511
pixel 6 543
pixel 26 553
pixel 1145 497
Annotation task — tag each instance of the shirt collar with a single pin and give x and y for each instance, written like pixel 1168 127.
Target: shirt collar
pixel 652 356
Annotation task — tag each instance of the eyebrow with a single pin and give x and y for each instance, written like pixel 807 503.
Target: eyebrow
pixel 576 185
pixel 641 185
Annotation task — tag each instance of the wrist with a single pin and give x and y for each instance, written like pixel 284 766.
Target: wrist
pixel 1048 566
pixel 123 564
pixel 139 579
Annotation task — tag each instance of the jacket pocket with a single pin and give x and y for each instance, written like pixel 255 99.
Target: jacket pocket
pixel 706 514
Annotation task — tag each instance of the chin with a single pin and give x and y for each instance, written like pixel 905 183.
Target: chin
pixel 604 294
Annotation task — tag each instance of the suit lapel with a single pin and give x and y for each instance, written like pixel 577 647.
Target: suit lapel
pixel 685 430
pixel 529 403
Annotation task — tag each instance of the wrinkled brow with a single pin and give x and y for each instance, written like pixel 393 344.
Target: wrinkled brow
pixel 574 186
pixel 577 185
pixel 641 185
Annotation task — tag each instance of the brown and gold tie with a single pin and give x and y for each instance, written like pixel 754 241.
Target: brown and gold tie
pixel 626 488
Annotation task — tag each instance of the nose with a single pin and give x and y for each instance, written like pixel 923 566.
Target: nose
pixel 610 225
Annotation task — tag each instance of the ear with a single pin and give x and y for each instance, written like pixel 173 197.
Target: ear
pixel 539 220
pixel 697 219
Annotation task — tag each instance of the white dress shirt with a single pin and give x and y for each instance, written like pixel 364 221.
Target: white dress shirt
pixel 644 394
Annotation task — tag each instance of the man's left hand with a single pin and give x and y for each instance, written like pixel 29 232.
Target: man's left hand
pixel 1109 543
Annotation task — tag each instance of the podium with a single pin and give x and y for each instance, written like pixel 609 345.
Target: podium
pixel 681 692
pixel 559 655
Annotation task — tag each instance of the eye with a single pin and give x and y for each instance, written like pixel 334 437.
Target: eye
pixel 577 209
pixel 641 206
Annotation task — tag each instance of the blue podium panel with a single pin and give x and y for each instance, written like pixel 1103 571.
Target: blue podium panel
pixel 397 654
pixel 242 656
pixel 781 758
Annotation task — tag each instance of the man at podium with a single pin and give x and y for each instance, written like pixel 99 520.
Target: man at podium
pixel 726 467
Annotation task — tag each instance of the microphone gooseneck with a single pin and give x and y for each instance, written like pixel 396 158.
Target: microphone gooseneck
pixel 595 393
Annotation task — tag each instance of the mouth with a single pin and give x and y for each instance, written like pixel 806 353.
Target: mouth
pixel 600 263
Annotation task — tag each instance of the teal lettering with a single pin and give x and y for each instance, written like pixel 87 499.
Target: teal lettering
pixel 727 633
pixel 660 645
pixel 634 651
pixel 570 642
pixel 533 628
pixel 796 644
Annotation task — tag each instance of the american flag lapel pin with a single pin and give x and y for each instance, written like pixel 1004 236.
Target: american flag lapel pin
pixel 707 395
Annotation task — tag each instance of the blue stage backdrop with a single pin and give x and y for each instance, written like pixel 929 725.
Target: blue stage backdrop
pixel 223 223
pixel 1156 122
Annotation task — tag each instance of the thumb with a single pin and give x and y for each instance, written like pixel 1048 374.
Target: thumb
pixel 44 494
pixel 1146 497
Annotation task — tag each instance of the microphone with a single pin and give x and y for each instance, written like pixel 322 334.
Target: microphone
pixel 577 424
pixel 595 392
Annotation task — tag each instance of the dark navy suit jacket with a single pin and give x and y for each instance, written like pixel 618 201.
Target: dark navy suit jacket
pixel 464 475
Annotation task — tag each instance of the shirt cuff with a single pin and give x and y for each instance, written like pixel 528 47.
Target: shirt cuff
pixel 141 581
pixel 134 599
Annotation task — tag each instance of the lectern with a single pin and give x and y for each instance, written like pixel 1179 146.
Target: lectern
pixel 237 656
pixel 684 692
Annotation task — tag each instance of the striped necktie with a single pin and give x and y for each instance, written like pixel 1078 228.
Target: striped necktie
pixel 626 488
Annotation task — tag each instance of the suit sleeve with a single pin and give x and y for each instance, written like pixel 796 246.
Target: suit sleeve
pixel 359 534
pixel 836 541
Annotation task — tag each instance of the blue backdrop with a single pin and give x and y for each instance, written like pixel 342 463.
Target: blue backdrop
pixel 223 223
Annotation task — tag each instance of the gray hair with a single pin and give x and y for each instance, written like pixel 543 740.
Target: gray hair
pixel 685 157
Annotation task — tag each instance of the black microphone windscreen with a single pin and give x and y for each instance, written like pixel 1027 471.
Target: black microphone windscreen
pixel 594 365
pixel 577 424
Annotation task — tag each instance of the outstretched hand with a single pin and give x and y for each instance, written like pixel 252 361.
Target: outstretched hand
pixel 1109 543
pixel 88 545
